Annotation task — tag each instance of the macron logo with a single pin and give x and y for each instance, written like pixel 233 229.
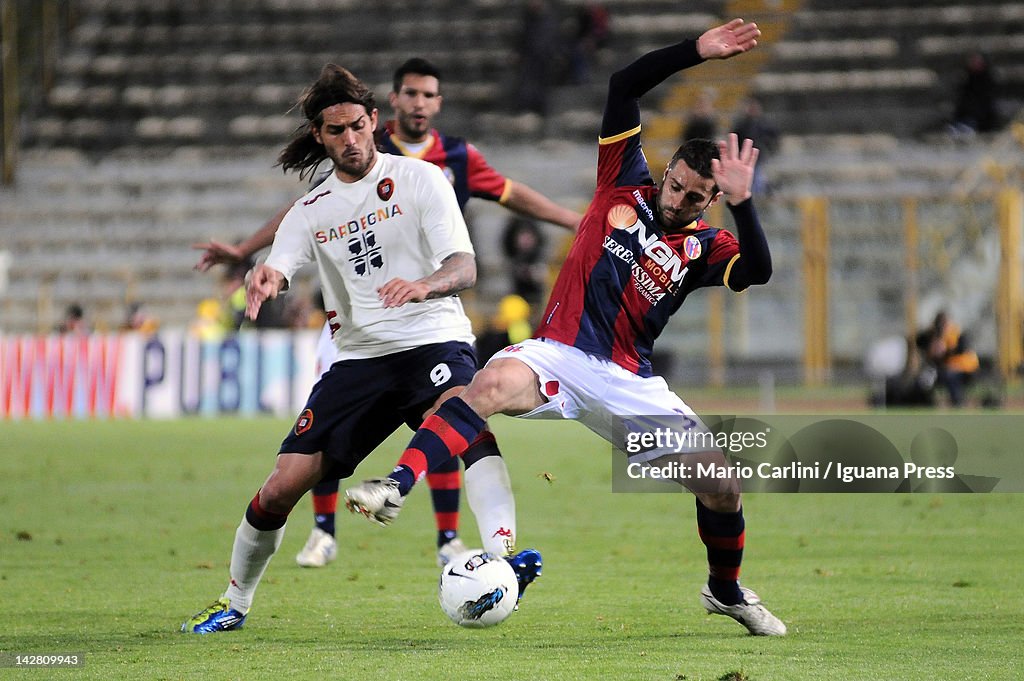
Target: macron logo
pixel 643 204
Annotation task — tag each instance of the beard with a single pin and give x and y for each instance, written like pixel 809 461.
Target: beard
pixel 412 127
pixel 354 164
pixel 673 221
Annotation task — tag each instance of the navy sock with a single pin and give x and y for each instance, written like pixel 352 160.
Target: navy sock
pixel 446 433
pixel 723 535
pixel 445 536
pixel 325 505
pixel 262 519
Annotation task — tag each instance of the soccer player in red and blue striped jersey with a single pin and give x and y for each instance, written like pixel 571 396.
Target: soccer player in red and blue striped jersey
pixel 641 249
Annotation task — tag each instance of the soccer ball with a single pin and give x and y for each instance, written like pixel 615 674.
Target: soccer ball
pixel 477 589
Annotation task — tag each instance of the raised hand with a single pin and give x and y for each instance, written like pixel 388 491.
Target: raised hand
pixel 734 169
pixel 215 253
pixel 727 40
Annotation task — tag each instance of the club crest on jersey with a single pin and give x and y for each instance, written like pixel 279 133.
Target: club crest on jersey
pixel 450 174
pixel 304 422
pixel 385 188
pixel 691 247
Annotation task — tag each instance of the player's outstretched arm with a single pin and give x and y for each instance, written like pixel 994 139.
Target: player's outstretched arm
pixel 531 203
pixel 216 252
pixel 628 85
pixel 728 40
pixel 263 282
pixel 457 273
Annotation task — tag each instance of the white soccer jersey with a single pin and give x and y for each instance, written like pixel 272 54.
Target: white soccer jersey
pixel 401 220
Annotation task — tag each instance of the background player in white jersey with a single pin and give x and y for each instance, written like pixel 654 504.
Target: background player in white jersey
pixel 641 249
pixel 416 100
pixel 392 251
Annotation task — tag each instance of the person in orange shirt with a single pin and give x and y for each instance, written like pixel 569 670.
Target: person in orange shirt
pixel 954 360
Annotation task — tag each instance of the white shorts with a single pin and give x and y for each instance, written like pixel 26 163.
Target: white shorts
pixel 606 398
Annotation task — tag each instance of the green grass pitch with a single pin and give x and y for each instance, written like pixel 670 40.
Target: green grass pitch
pixel 113 533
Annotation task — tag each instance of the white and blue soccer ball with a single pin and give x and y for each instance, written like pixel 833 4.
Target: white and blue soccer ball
pixel 477 589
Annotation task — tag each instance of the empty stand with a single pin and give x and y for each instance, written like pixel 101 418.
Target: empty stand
pixel 165 118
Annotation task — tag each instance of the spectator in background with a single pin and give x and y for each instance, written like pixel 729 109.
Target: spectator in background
pixel 976 105
pixel 909 378
pixel 701 122
pixel 509 325
pixel 137 319
pixel 523 244
pixel 591 34
pixel 537 48
pixel 73 322
pixel 753 124
pixel 208 322
pixel 232 286
pixel 949 351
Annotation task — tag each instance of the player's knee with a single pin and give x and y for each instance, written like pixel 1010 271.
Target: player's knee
pixel 722 502
pixel 273 500
pixel 505 386
pixel 485 392
pixel 294 474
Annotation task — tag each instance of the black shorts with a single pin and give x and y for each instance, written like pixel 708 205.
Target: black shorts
pixel 358 403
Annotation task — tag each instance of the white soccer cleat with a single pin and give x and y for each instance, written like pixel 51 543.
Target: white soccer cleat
pixel 377 499
pixel 750 613
pixel 449 550
pixel 320 549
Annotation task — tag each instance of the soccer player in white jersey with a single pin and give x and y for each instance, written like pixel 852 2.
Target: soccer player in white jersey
pixel 392 251
pixel 641 249
pixel 416 100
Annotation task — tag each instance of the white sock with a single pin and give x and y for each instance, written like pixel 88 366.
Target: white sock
pixel 489 493
pixel 250 556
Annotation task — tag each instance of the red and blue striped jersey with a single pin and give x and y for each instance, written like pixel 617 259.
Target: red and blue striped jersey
pixel 624 277
pixel 462 163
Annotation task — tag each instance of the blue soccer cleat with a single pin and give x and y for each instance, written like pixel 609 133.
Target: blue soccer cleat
pixel 220 616
pixel 527 566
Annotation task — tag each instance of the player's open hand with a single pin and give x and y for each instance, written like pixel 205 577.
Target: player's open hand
pixel 727 40
pixel 398 292
pixel 734 169
pixel 261 283
pixel 215 253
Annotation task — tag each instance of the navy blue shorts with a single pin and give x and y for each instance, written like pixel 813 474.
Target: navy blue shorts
pixel 358 403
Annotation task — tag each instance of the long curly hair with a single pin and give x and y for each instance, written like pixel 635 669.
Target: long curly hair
pixel 336 85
